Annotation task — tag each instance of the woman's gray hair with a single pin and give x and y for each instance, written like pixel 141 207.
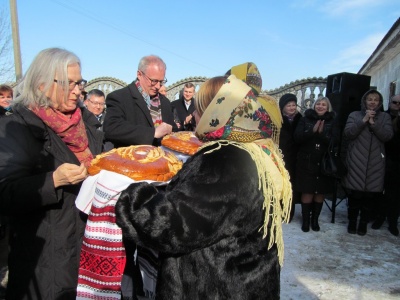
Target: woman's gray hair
pixel 323 99
pixel 38 79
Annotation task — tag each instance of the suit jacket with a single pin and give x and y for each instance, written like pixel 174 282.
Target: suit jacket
pixel 128 120
pixel 181 112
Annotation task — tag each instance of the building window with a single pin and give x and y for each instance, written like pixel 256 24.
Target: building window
pixel 392 88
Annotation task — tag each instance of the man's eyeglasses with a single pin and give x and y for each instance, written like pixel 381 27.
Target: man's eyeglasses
pixel 396 102
pixel 72 84
pixel 155 81
pixel 97 103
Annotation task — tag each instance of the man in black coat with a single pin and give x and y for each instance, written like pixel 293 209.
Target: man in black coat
pixel 138 114
pixel 183 109
pixel 96 104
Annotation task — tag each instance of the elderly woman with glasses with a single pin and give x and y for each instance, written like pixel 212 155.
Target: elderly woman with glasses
pixel 45 147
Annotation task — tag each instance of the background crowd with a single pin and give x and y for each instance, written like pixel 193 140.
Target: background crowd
pixel 206 222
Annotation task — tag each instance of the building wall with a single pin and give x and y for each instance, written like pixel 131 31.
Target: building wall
pixel 382 78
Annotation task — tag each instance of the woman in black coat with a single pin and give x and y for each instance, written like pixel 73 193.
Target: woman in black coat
pixel 45 146
pixel 313 133
pixel 6 96
pixel 291 118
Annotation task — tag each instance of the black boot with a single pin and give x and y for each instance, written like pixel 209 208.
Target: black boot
pixel 305 211
pixel 378 222
pixel 362 225
pixel 352 214
pixel 316 210
pixel 393 216
pixel 362 228
pixel 292 212
pixel 393 227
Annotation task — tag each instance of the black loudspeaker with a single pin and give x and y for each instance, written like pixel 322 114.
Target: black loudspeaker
pixel 345 91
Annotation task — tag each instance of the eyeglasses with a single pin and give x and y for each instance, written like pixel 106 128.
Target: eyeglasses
pixel 72 84
pixel 396 102
pixel 155 81
pixel 97 103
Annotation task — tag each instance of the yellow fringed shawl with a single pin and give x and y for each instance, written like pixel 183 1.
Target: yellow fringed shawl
pixel 273 182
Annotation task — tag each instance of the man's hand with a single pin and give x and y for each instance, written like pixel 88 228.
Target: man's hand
pixel 67 174
pixel 162 130
pixel 188 119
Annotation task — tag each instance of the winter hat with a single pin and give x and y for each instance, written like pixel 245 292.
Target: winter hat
pixel 285 99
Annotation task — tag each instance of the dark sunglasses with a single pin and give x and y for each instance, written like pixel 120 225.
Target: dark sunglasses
pixel 396 102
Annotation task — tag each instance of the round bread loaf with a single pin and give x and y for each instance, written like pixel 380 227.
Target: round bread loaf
pixel 183 141
pixel 142 162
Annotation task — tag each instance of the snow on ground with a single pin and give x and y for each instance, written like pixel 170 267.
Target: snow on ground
pixel 332 264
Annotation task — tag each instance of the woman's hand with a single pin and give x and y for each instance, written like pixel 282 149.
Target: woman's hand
pixel 67 174
pixel 369 116
pixel 319 126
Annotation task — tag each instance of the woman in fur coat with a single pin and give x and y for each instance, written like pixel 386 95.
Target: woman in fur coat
pixel 313 133
pixel 366 132
pixel 217 227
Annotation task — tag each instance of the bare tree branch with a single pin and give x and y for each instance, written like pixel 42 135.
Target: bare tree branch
pixel 7 72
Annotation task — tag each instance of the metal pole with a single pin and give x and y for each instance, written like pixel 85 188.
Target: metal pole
pixel 16 44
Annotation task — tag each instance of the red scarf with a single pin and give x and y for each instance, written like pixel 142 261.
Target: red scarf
pixel 70 128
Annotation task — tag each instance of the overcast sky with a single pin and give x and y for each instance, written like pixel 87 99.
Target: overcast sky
pixel 288 40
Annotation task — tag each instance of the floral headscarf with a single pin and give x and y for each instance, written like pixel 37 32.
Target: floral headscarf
pixel 236 117
pixel 249 73
pixel 234 114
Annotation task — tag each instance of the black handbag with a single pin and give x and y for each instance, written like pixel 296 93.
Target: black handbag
pixel 331 163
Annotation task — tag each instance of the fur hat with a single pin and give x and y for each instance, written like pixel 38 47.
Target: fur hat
pixel 285 99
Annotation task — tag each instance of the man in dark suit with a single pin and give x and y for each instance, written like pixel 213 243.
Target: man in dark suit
pixel 138 114
pixel 183 109
pixel 96 104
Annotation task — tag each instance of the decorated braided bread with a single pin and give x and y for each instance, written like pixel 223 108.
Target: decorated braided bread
pixel 183 141
pixel 143 162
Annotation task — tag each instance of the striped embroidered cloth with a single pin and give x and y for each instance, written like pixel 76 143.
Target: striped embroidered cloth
pixel 102 259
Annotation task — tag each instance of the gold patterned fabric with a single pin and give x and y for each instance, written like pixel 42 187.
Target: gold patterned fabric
pixel 249 73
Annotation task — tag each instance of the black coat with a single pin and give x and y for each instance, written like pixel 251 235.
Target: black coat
pixel 392 148
pixel 206 227
pixel 46 228
pixel 128 120
pixel 181 112
pixel 288 145
pixel 4 112
pixel 311 148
